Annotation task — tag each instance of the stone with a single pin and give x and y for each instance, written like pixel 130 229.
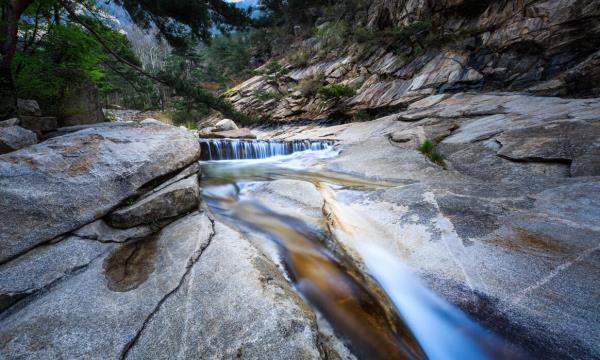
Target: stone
pixel 234 303
pixel 243 133
pixel 10 122
pixel 14 138
pixel 174 200
pixel 99 230
pixel 67 182
pixel 44 266
pixel 225 125
pixel 28 107
pixel 101 310
pixel 39 125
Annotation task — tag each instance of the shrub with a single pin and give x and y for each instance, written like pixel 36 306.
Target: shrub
pixel 333 34
pixel 263 95
pixel 300 58
pixel 362 115
pixel 362 35
pixel 309 86
pixel 428 149
pixel 414 28
pixel 335 91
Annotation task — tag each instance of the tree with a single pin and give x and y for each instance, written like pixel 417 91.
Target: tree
pixel 10 13
pixel 177 21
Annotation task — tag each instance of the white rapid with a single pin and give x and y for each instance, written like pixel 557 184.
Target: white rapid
pixel 236 149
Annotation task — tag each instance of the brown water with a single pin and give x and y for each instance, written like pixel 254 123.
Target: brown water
pixel 393 317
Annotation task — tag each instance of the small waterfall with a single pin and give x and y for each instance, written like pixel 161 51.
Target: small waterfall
pixel 235 149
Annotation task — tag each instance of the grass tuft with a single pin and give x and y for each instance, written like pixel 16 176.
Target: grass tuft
pixel 428 149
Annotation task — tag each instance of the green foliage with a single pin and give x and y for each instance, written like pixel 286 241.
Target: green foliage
pixel 361 116
pixel 428 149
pixel 363 35
pixel 226 60
pixel 266 95
pixel 66 55
pixel 333 34
pixel 180 21
pixel 415 28
pixel 336 91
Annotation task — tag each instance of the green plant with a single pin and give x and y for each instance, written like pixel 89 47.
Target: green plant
pixel 263 95
pixel 362 115
pixel 336 91
pixel 428 149
pixel 333 34
pixel 362 35
pixel 300 57
pixel 310 85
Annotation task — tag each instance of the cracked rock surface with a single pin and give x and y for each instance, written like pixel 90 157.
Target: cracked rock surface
pixel 508 231
pixel 46 189
pixel 98 311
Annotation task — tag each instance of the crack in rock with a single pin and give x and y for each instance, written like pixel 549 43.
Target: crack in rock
pixel 191 262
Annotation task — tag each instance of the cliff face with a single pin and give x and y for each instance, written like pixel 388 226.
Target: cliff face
pixel 547 48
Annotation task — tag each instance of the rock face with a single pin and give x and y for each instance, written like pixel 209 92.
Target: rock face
pixel 64 175
pixel 14 138
pixel 546 47
pixel 234 303
pixel 520 187
pixel 112 296
pixel 174 200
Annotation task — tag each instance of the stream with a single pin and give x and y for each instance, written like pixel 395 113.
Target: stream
pixel 384 313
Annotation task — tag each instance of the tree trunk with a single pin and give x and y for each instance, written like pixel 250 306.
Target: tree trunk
pixel 11 11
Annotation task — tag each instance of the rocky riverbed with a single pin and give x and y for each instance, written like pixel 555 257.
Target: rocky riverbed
pixel 109 251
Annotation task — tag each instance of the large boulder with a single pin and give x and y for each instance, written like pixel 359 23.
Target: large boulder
pixel 198 289
pixel 98 311
pixel 225 125
pixel 66 182
pixel 174 200
pixel 14 138
pixel 234 304
pixel 29 107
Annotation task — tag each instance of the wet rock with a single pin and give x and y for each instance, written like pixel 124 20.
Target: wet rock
pixel 234 303
pixel 14 138
pixel 29 107
pixel 99 311
pixel 81 177
pixel 172 201
pixel 225 125
pixel 39 125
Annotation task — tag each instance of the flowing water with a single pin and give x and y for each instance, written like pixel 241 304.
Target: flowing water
pixel 387 315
